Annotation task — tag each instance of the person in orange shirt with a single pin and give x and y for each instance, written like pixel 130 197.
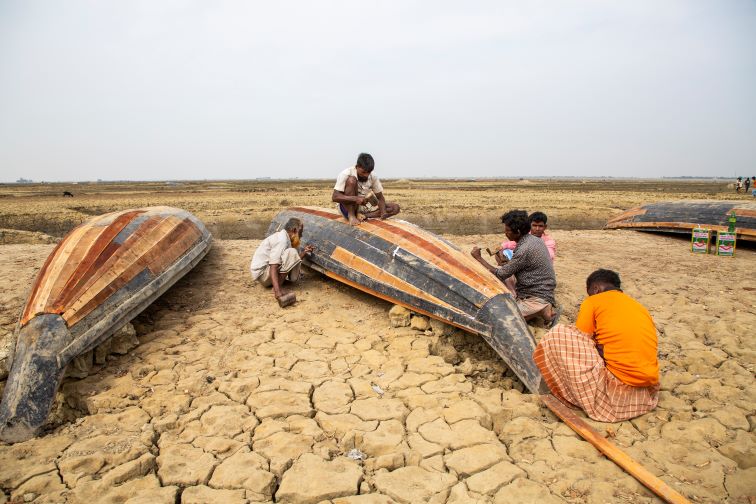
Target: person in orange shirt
pixel 606 364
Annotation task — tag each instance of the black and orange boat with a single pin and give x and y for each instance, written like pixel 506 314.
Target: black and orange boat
pixel 683 216
pixel 404 264
pixel 100 276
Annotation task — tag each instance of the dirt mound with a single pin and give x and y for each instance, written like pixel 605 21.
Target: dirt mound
pixel 18 237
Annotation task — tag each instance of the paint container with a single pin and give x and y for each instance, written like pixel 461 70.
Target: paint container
pixel 726 244
pixel 700 241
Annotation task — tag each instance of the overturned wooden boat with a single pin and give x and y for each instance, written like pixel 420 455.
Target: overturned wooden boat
pixel 683 216
pixel 100 276
pixel 406 265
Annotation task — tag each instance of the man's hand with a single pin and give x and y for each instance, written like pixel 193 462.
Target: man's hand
pixel 309 249
pixel 475 252
pixel 279 293
pixel 500 257
pixel 360 200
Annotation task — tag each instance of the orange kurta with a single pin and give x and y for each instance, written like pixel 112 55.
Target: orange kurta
pixel 626 331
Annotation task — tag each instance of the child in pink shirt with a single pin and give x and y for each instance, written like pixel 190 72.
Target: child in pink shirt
pixel 537 228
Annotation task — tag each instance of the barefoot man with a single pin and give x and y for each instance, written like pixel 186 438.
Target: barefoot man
pixel 359 193
pixel 530 265
pixel 277 260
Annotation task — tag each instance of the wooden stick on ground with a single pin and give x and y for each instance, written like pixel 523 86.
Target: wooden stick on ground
pixel 612 451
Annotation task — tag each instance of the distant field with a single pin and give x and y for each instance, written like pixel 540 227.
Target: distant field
pixel 243 209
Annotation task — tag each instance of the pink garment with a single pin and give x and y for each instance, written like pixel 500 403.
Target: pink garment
pixel 547 240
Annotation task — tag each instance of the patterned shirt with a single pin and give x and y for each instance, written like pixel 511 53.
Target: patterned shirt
pixel 547 239
pixel 532 267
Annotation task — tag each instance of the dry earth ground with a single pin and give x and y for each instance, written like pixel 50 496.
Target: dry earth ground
pixel 230 399
pixel 243 210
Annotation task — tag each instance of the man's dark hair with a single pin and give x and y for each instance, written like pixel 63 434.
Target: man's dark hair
pixel 366 162
pixel 517 220
pixel 538 217
pixel 604 276
pixel 293 224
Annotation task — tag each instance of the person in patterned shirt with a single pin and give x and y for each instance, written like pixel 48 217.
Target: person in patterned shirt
pixel 531 267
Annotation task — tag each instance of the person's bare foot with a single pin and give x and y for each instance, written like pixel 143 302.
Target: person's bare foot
pixel 354 221
pixel 551 316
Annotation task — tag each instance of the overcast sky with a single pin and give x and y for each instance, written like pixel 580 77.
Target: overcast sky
pixel 242 89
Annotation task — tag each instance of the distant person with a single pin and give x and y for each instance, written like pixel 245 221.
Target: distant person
pixel 277 260
pixel 537 228
pixel 747 184
pixel 606 363
pixel 359 193
pixel 531 267
pixel 739 184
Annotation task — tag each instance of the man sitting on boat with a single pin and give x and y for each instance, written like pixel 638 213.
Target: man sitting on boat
pixel 531 267
pixel 277 260
pixel 538 229
pixel 359 193
pixel 606 364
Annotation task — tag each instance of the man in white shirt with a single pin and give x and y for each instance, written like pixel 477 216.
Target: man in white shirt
pixel 360 194
pixel 277 259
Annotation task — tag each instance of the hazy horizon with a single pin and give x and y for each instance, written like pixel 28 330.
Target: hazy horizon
pixel 230 90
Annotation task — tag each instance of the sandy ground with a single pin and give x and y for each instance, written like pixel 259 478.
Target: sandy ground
pixel 229 398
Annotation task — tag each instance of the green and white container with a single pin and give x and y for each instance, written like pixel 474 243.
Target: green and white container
pixel 700 241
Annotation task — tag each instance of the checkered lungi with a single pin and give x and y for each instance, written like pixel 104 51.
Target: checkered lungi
pixel 576 374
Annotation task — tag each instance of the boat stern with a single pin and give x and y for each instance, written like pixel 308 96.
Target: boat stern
pixel 34 377
pixel 512 340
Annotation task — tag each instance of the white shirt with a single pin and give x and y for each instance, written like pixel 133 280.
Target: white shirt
pixel 363 188
pixel 269 252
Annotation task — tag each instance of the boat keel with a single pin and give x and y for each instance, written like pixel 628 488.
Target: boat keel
pixel 34 378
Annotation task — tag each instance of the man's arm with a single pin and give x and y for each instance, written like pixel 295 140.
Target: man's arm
pixel 381 204
pixel 585 319
pixel 509 268
pixel 307 250
pixel 476 255
pixel 340 197
pixel 275 280
pixel 551 247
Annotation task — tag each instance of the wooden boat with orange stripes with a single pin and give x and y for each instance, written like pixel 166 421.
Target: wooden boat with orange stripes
pixel 404 264
pixel 100 276
pixel 683 216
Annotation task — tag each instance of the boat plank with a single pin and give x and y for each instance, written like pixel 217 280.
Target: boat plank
pixel 100 251
pixel 430 252
pixel 57 265
pixel 380 275
pixel 167 249
pixel 27 314
pixel 190 234
pixel 71 263
pixel 115 252
pixel 137 243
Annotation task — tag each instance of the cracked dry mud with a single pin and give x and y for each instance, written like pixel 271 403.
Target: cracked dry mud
pixel 230 399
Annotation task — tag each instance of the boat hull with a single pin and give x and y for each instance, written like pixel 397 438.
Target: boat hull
pixel 683 216
pixel 100 276
pixel 404 264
